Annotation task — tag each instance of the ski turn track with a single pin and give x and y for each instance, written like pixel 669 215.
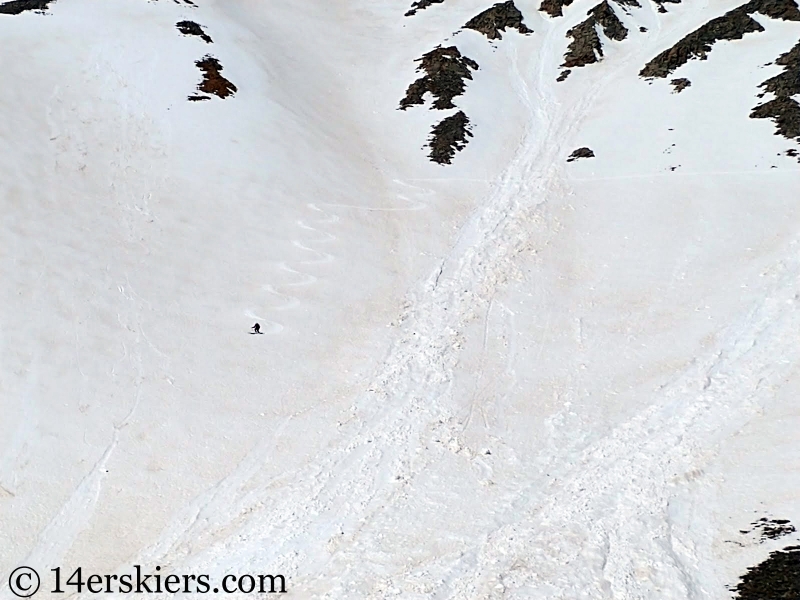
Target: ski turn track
pixel 285 293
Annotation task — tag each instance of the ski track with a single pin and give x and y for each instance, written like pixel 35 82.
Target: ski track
pixel 285 293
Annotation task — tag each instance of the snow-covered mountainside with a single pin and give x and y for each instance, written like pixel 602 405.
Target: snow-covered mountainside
pixel 527 274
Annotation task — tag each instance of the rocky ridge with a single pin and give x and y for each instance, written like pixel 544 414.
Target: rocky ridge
pixel 784 110
pixel 733 25
pixel 586 47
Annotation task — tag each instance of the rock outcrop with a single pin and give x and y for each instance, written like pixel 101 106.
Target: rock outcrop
pixel 554 8
pixel 680 84
pixel 445 70
pixel 213 81
pixel 661 3
pixel 777 577
pixel 448 137
pixel 770 529
pixel 733 25
pixel 192 28
pixel 421 5
pixel 581 153
pixel 783 109
pixel 16 7
pixel 497 19
pixel 586 47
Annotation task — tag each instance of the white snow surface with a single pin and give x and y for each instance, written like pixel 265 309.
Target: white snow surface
pixel 513 377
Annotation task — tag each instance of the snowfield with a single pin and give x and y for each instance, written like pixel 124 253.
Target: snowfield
pixel 508 377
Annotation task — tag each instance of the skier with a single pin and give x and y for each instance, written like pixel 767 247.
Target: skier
pixel 256 328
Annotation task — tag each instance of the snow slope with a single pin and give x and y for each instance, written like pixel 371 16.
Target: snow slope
pixel 511 377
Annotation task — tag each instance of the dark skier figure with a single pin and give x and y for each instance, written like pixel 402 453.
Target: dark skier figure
pixel 256 328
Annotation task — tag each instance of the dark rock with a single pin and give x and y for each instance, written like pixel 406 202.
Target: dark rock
pixel 554 8
pixel 733 25
pixel 581 153
pixel 192 28
pixel 786 114
pixel 608 20
pixel 20 6
pixel 421 5
pixel 448 137
pixel 770 529
pixel 626 3
pixel 198 98
pixel 446 70
pixel 496 19
pixel 785 10
pixel 778 577
pixel 660 4
pixel 564 74
pixel 784 110
pixel 213 81
pixel 680 84
pixel 643 29
pixel 788 82
pixel 586 47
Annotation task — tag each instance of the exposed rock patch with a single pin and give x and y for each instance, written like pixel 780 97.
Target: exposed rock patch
pixel 786 114
pixel 421 5
pixel 192 28
pixel 777 577
pixel 680 84
pixel 581 153
pixel 660 4
pixel 733 25
pixel 786 10
pixel 563 75
pixel 554 8
pixel 16 7
pixel 586 47
pixel 769 529
pixel 497 19
pixel 784 110
pixel 788 82
pixel 445 72
pixel 213 81
pixel 448 137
